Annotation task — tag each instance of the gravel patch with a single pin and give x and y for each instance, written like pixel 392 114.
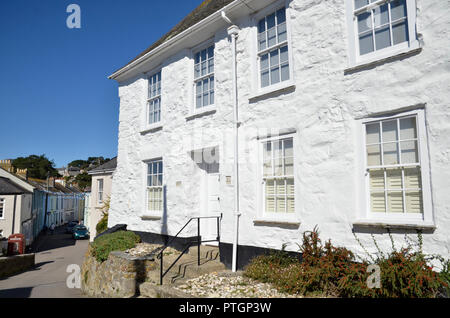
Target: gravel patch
pixel 146 249
pixel 226 285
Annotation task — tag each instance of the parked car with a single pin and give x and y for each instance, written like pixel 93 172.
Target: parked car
pixel 70 226
pixel 80 232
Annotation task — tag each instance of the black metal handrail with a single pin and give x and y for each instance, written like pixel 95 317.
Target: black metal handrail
pixel 189 245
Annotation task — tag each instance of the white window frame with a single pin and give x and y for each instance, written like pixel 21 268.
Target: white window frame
pixel 100 193
pixel 355 58
pixel 146 126
pixel 275 217
pixel 198 49
pixel 153 212
pixel 194 111
pixel 256 61
pixel 3 204
pixel 395 218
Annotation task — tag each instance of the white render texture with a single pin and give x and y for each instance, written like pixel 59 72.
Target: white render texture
pixel 323 109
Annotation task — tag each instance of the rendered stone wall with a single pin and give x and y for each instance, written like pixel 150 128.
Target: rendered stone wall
pixel 322 109
pixel 119 276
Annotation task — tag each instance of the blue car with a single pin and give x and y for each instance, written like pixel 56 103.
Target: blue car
pixel 80 232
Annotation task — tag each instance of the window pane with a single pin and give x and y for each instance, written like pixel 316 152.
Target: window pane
pixel 398 9
pixel 282 33
pixel 281 16
pixel 203 55
pixel 211 66
pixel 381 15
pixel 211 52
pixel 373 156
pixel 361 3
pixel 290 187
pixel 382 38
pixel 211 98
pixel 409 152
pixel 288 147
pixel 160 167
pixel 270 187
pixel 275 75
pixel 373 133
pixel 262 41
pixel 400 32
pixel 281 204
pixel 285 72
pixel 413 178
pixel 274 59
pixel 204 68
pixel 199 101
pixel 377 180
pixel 270 21
pixel 272 37
pixel 281 187
pixel 290 204
pixel 197 58
pixel 390 131
pixel 267 151
pixel 408 128
pixel 395 202
pixel 265 79
pixel 284 55
pixel 197 70
pixel 267 168
pixel 264 61
pixel 414 202
pixel 262 25
pixel 205 99
pixel 377 202
pixel 366 44
pixel 278 163
pixel 364 22
pixel 394 179
pixel 270 204
pixel 288 166
pixel 199 88
pixel 390 154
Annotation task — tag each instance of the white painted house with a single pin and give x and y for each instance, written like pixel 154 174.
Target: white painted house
pixel 341 113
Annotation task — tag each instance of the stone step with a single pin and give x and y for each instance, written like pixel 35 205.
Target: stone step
pixel 187 266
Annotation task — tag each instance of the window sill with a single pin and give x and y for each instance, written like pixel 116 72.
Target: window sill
pixel 150 217
pixel 277 222
pixel 393 224
pixel 202 112
pixel 384 57
pixel 273 90
pixel 151 128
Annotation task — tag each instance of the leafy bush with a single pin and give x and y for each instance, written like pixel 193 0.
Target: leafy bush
pixel 327 270
pixel 118 241
pixel 102 225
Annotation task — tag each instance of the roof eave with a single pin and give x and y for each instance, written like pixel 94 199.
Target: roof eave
pixel 165 45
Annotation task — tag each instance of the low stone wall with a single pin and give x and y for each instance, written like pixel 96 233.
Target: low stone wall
pixel 15 264
pixel 119 276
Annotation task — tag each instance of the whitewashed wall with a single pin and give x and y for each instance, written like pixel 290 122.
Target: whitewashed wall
pixel 322 109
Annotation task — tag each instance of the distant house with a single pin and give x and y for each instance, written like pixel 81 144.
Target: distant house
pixel 100 193
pixel 15 208
pixel 29 205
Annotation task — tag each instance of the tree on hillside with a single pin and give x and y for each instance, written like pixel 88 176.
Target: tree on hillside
pixel 90 163
pixel 38 167
pixel 83 180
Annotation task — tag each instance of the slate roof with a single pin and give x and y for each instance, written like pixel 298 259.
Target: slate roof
pixel 204 10
pixel 107 166
pixel 8 187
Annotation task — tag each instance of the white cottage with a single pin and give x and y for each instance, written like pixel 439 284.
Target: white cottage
pixel 283 115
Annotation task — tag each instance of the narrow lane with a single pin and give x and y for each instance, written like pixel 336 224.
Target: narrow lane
pixel 54 253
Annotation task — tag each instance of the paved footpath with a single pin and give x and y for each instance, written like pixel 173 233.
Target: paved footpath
pixel 48 278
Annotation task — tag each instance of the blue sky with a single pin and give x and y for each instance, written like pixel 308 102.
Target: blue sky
pixel 55 98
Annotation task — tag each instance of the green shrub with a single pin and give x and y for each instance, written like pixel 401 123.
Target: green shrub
pixel 102 225
pixel 118 241
pixel 327 270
